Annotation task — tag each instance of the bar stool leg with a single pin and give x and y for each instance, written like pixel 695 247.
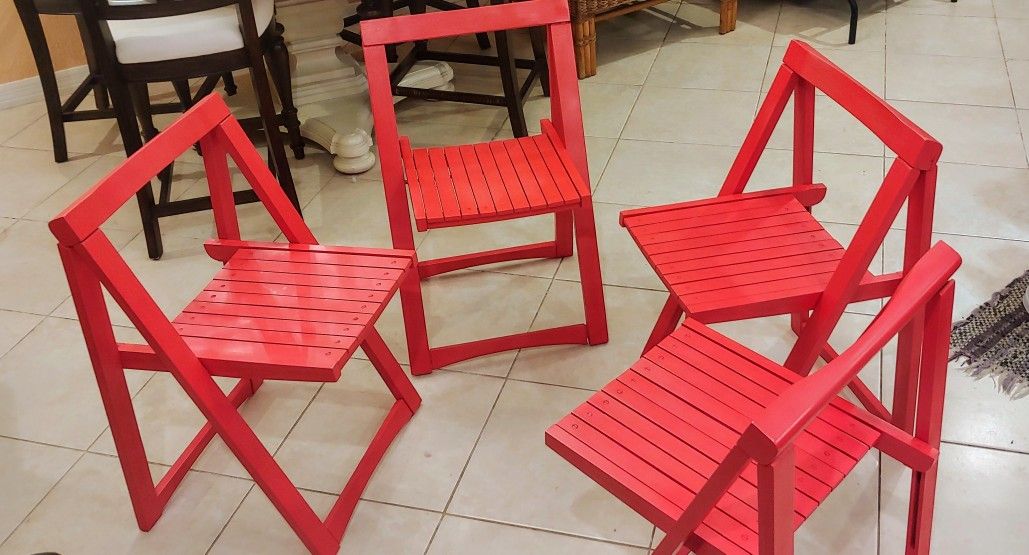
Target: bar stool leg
pixel 121 98
pixel 481 38
pixel 99 89
pixel 141 102
pixel 509 80
pixel 45 68
pixel 278 63
pixel 270 122
pixel 537 35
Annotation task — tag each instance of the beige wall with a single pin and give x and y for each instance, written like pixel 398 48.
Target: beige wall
pixel 16 58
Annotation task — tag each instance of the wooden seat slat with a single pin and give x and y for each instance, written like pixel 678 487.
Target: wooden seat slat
pixel 471 173
pixel 302 268
pixel 284 301
pixel 307 291
pixel 490 181
pixel 269 324
pixel 310 340
pixel 370 285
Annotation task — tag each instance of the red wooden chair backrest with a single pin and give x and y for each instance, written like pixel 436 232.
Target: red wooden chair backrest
pixel 911 178
pixel 565 108
pixel 91 260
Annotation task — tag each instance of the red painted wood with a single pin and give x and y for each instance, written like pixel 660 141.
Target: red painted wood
pixel 219 182
pixel 726 450
pixel 547 181
pixel 917 237
pixel 907 140
pixel 760 132
pixel 807 195
pixel 490 182
pixel 775 495
pixel 803 132
pixel 417 200
pixel 483 157
pixel 510 182
pixel 462 185
pixel 410 28
pixel 443 265
pixel 86 214
pixel 724 412
pixel 290 311
pixel 574 334
pixel 444 183
pixel 929 418
pixel 476 180
pixel 853 266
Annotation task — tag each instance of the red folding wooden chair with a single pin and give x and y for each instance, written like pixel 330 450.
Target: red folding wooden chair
pixel 729 452
pixel 276 311
pixel 751 254
pixel 489 182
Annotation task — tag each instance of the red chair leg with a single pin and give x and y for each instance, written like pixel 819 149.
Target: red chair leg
pixel 414 323
pixel 114 392
pixel 563 234
pixel 776 487
pixel 129 446
pixel 909 343
pixel 388 367
pixel 920 511
pixel 589 273
pixel 666 322
pixel 258 462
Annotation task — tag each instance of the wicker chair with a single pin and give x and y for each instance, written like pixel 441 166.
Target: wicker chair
pixel 586 13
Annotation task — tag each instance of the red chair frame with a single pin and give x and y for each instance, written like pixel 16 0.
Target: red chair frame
pixel 653 446
pixel 574 222
pixel 911 178
pixel 92 264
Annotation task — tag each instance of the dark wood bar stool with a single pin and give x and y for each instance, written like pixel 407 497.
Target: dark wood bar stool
pixel 61 111
pixel 176 40
pixel 514 93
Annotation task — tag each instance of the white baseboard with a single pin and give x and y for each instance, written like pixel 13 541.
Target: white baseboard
pixel 28 90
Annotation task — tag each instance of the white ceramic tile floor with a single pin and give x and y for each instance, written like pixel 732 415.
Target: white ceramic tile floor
pixel 470 473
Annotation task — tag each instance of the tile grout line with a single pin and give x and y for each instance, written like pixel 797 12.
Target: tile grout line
pixel 41 499
pixel 485 423
pixel 253 483
pixel 460 477
pixel 1007 70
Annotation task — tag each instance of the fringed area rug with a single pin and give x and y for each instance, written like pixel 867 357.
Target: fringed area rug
pixel 994 340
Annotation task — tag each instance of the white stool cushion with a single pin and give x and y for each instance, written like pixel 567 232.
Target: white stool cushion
pixel 183 36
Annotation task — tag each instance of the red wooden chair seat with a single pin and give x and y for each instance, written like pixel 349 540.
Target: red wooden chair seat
pixel 284 313
pixel 744 256
pixel 457 185
pixel 729 452
pixel 657 433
